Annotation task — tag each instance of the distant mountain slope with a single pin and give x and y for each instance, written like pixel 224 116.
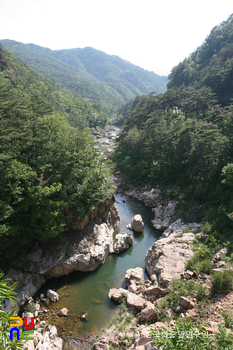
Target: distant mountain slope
pixel 46 97
pixel 210 65
pixel 91 73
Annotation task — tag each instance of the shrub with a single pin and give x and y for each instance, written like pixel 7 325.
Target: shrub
pixel 201 292
pixel 205 266
pixel 30 307
pixel 182 337
pixel 185 337
pixel 228 318
pixel 222 281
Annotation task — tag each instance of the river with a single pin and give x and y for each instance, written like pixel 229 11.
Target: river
pixel 88 291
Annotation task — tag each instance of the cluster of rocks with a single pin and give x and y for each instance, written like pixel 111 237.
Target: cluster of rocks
pixel 105 141
pixel 162 207
pixel 45 336
pixel 82 252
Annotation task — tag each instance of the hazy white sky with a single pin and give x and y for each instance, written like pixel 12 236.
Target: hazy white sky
pixel 155 35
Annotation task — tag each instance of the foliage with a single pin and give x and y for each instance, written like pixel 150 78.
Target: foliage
pixel 178 288
pixel 222 281
pixel 6 292
pixel 228 318
pixel 47 167
pixel 44 96
pixel 210 65
pixel 184 336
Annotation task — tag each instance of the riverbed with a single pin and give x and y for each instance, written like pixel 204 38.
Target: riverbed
pixel 88 291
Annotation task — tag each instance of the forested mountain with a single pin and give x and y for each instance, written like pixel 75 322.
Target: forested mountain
pixel 183 138
pixel 50 96
pixel 46 165
pixel 210 65
pixel 93 74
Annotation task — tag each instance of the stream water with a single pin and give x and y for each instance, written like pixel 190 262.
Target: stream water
pixel 88 291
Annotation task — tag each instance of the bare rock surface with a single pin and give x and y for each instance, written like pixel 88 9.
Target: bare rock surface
pixel 179 225
pixel 136 275
pixel 167 257
pixel 45 338
pixel 163 215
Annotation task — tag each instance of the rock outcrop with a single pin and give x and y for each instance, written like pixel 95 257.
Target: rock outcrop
pixel 45 337
pixel 179 225
pixel 83 251
pixel 167 257
pixel 163 215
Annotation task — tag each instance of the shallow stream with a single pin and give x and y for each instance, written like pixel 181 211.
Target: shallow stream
pixel 88 291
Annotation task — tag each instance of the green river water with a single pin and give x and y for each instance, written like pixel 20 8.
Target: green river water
pixel 88 291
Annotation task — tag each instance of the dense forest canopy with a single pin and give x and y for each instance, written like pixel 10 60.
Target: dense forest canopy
pixel 108 80
pixel 47 159
pixel 183 138
pixel 210 65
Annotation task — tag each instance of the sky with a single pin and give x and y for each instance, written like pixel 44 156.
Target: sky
pixel 155 35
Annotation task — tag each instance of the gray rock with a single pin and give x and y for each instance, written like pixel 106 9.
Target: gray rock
pixel 163 215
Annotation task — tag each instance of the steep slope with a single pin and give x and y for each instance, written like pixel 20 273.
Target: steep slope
pixel 210 65
pixel 51 96
pixel 93 74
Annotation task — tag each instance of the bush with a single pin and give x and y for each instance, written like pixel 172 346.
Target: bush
pixel 205 266
pixel 228 318
pixel 201 292
pixel 185 337
pixel 222 281
pixel 30 307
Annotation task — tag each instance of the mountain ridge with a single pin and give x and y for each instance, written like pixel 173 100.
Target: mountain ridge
pixel 91 73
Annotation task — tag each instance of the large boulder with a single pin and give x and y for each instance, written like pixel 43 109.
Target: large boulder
pixel 163 215
pixel 134 300
pixel 137 223
pixel 167 257
pixel 136 275
pixel 147 314
pixel 122 242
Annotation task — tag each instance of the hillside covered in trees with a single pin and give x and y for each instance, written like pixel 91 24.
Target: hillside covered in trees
pixel 210 65
pixel 183 138
pixel 108 80
pixel 47 159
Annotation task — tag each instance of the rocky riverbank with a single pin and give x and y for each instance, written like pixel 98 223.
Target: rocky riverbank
pixel 81 250
pixel 145 299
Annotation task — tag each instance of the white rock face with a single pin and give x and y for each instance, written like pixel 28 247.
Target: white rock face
pixel 53 296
